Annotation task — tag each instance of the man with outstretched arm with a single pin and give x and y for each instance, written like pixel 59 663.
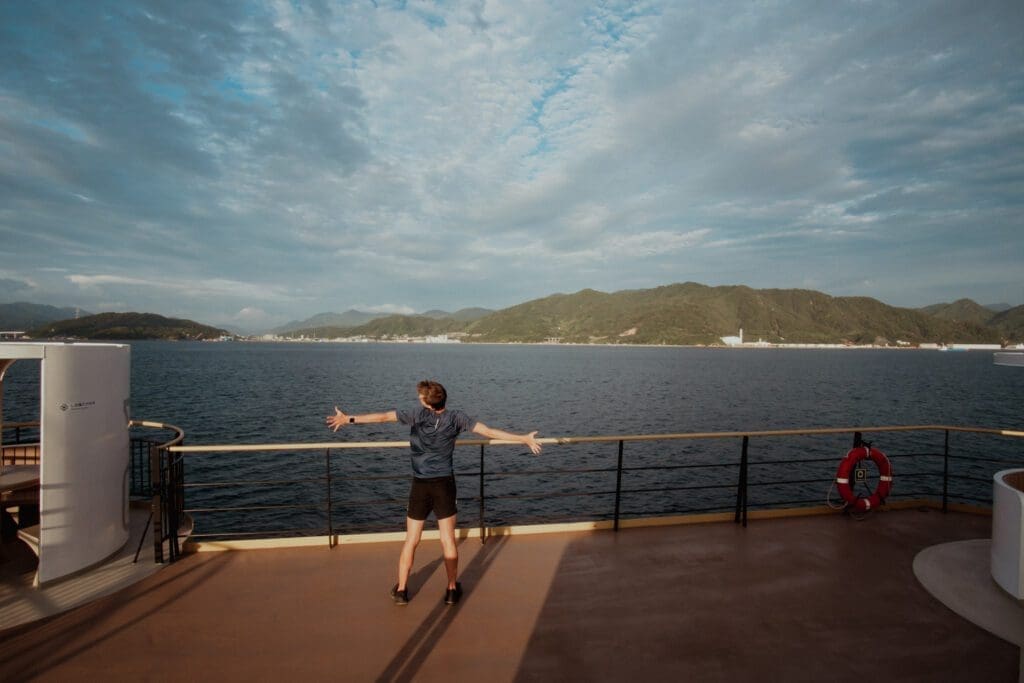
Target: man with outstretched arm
pixel 432 435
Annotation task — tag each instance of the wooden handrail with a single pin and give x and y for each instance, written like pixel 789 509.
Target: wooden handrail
pixel 19 425
pixel 179 434
pixel 565 440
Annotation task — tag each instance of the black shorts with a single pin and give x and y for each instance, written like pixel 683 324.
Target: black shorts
pixel 435 495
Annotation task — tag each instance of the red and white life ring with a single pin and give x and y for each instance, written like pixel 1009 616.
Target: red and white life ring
pixel 846 466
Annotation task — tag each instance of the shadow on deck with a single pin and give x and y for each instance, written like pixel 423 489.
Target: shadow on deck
pixel 795 599
pixel 21 603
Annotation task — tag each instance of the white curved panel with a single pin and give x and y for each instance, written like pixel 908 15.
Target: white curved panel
pixel 1008 534
pixel 84 454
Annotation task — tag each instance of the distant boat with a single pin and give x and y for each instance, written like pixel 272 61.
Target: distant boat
pixel 1014 358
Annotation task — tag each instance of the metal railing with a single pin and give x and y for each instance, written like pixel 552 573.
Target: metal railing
pixel 159 475
pixel 747 474
pixel 20 443
pixel 147 455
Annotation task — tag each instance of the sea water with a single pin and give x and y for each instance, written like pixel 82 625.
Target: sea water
pixel 264 393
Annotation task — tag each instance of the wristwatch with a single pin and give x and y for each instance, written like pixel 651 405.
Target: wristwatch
pixel 351 420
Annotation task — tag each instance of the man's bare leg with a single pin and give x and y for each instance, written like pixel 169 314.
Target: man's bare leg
pixel 413 531
pixel 446 527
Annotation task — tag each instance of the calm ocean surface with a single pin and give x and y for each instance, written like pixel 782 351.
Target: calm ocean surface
pixel 232 393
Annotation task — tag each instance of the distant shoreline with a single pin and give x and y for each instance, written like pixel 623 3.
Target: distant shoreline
pixel 740 347
pixel 754 346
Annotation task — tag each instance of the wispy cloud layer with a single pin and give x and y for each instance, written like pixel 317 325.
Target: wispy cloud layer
pixel 251 162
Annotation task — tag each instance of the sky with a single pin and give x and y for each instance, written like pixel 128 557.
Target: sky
pixel 248 163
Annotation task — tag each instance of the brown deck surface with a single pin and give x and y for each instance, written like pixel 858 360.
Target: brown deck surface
pixel 799 599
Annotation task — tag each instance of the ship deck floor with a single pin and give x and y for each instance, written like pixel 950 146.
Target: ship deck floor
pixel 794 599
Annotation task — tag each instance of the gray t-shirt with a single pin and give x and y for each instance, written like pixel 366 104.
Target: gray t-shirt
pixel 432 438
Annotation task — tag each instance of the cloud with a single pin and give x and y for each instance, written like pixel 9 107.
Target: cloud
pixel 660 242
pixel 252 318
pixel 12 287
pixel 398 309
pixel 196 289
pixel 292 158
pixel 97 280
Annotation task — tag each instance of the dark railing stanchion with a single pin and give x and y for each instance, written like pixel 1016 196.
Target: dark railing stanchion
pixel 483 524
pixel 157 505
pixel 741 487
pixel 618 486
pixel 945 474
pixel 330 519
pixel 174 494
pixel 142 539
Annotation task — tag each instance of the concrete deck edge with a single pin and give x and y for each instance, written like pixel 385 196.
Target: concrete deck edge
pixel 489 532
pixel 959 576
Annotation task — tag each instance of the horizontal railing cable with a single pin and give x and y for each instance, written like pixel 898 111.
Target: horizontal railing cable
pixel 253 508
pixel 265 533
pixel 251 482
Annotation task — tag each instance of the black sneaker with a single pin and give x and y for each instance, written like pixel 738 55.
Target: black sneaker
pixel 400 597
pixel 452 595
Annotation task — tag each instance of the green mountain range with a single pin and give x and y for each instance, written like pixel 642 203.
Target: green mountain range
pixel 349 318
pixel 321 323
pixel 389 326
pixel 24 316
pixel 466 315
pixel 692 313
pixel 687 313
pixel 126 326
pixel 1010 323
pixel 963 310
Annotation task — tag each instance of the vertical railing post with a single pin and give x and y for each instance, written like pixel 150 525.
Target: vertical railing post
pixel 483 525
pixel 741 485
pixel 174 506
pixel 330 518
pixel 945 474
pixel 180 483
pixel 746 478
pixel 179 498
pixel 618 487
pixel 132 449
pixel 156 506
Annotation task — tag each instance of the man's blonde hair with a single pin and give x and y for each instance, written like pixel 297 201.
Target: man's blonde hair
pixel 432 393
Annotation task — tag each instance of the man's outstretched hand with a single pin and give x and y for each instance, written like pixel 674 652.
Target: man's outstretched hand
pixel 531 441
pixel 338 420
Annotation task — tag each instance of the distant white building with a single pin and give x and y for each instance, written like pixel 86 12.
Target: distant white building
pixel 733 341
pixel 976 347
